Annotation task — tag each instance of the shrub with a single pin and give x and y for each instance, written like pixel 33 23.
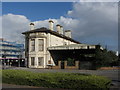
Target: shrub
pixel 55 80
pixel 70 62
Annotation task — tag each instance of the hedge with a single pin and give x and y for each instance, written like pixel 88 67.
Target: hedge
pixel 55 80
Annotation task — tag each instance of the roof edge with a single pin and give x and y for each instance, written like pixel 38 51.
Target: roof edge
pixel 43 29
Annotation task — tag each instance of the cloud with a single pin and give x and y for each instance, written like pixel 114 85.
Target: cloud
pixel 67 23
pixel 13 26
pixel 98 22
pixel 99 0
pixel 0 26
pixel 90 23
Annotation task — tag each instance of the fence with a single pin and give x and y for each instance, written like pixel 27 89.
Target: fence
pixel 63 65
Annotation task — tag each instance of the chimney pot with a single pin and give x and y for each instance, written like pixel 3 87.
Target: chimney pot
pixel 31 23
pixel 58 28
pixel 61 29
pixel 51 21
pixel 51 25
pixel 31 26
pixel 68 33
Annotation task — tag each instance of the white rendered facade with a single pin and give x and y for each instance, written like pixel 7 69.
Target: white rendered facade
pixel 37 43
pixel 48 41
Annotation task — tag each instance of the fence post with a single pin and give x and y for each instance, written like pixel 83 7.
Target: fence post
pixel 65 64
pixel 59 64
pixel 77 64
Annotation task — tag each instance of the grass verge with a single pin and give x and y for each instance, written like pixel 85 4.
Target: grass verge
pixel 55 80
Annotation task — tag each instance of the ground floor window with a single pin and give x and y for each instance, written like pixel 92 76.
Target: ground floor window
pixel 40 61
pixel 32 61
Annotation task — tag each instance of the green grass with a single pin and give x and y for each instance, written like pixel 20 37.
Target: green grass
pixel 55 80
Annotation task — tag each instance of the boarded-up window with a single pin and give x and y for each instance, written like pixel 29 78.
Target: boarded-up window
pixel 40 61
pixel 32 61
pixel 40 44
pixel 32 44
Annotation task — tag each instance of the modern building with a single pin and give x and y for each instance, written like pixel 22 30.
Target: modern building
pixel 11 53
pixel 45 46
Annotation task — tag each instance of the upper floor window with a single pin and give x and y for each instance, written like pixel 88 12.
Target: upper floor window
pixel 32 44
pixel 40 44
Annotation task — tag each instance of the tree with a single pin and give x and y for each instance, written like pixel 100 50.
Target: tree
pixel 105 58
pixel 70 62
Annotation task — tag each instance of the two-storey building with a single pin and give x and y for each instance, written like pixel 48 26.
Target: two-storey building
pixel 37 42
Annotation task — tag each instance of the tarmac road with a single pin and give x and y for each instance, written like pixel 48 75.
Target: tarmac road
pixel 12 86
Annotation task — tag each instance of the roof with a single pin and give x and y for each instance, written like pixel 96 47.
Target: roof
pixel 43 29
pixel 51 21
pixel 73 46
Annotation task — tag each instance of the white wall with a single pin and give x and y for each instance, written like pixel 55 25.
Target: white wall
pixel 37 53
pixel 58 41
pixel 49 40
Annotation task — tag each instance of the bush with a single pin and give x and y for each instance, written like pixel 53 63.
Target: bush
pixel 70 62
pixel 55 80
pixel 105 59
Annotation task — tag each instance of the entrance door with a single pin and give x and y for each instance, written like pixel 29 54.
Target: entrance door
pixel 40 61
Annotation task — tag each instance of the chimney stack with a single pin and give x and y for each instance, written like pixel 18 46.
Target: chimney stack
pixel 58 28
pixel 51 25
pixel 68 33
pixel 61 29
pixel 32 26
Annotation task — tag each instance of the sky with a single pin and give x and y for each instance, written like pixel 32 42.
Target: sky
pixel 90 22
pixel 37 10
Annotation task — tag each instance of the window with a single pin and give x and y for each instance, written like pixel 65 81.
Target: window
pixel 32 44
pixel 65 43
pixel 40 61
pixel 40 45
pixel 32 61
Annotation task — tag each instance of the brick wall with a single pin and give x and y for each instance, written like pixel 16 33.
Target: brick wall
pixel 65 65
pixel 57 67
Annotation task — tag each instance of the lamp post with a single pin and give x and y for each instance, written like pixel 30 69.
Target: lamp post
pixel 4 58
pixel 18 61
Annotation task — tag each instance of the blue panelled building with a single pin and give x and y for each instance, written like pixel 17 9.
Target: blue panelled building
pixel 11 53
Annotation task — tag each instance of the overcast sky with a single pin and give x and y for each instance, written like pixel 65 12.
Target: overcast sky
pixel 90 22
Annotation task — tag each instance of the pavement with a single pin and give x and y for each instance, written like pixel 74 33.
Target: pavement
pixel 12 86
pixel 111 74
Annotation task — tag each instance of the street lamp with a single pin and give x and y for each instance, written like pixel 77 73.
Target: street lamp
pixel 4 58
